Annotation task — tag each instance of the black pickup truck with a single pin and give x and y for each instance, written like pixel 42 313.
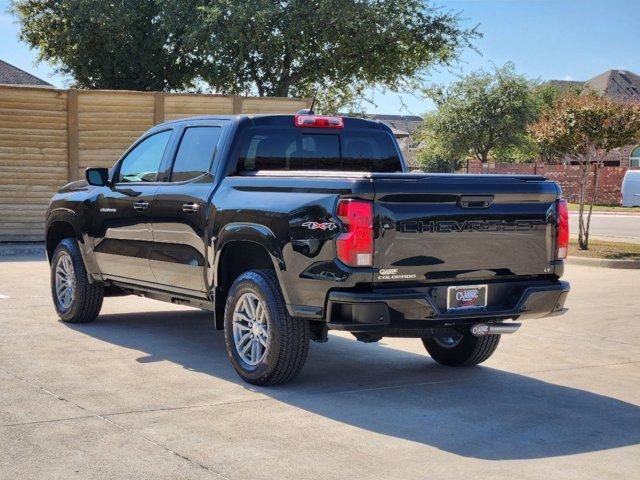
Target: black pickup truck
pixel 287 226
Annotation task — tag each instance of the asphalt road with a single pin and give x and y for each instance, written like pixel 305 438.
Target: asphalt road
pixel 147 392
pixel 621 228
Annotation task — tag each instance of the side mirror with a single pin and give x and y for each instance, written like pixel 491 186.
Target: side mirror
pixel 97 176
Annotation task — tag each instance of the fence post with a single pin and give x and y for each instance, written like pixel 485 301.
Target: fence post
pixel 73 143
pixel 237 104
pixel 158 108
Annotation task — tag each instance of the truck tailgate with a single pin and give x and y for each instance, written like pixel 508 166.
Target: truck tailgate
pixel 463 227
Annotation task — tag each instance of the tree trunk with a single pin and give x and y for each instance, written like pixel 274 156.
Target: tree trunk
pixel 592 157
pixel 594 192
pixel 584 175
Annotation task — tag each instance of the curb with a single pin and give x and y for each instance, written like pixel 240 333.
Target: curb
pixel 604 262
pixel 8 250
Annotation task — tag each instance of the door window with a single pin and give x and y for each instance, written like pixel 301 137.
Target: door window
pixel 195 153
pixel 143 162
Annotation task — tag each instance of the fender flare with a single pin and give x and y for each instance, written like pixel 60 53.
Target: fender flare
pixel 70 217
pixel 253 233
pixel 63 215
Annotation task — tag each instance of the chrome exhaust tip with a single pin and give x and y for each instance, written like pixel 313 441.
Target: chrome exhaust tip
pixel 484 329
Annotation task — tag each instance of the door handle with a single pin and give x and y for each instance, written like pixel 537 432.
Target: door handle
pixel 192 207
pixel 141 205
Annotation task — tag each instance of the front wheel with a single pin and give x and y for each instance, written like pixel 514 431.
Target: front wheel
pixel 264 344
pixel 75 298
pixel 459 350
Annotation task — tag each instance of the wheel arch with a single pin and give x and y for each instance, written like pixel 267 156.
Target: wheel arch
pixel 244 247
pixel 61 224
pixel 64 223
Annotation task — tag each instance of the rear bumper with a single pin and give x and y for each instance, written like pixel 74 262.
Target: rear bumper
pixel 405 312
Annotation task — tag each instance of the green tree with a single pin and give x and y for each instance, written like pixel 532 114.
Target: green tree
pixel 119 44
pixel 526 149
pixel 342 47
pixel 584 128
pixel 483 113
pixel 440 152
pixel 263 47
pixel 437 158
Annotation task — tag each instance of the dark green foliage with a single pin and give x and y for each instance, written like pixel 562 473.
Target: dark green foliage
pixel 117 44
pixel 263 47
pixel 483 112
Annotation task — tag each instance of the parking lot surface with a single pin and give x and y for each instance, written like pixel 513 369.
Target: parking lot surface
pixel 147 392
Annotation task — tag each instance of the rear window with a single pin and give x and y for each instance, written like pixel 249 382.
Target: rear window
pixel 195 153
pixel 268 148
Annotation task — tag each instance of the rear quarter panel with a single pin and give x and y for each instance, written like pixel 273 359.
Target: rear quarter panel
pixel 273 211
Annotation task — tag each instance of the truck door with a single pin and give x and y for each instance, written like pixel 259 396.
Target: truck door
pixel 122 221
pixel 180 210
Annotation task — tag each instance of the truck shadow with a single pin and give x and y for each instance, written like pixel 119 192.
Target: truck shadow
pixel 481 412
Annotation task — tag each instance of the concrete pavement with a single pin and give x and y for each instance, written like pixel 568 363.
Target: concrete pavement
pixel 147 392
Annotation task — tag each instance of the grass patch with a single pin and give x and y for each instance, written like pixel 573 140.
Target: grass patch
pixel 574 207
pixel 604 249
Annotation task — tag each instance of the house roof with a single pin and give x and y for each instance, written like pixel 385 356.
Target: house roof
pixel 617 84
pixel 407 124
pixel 10 75
pixel 620 85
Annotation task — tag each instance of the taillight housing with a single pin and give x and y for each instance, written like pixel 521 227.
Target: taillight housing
pixel 355 246
pixel 562 229
pixel 317 121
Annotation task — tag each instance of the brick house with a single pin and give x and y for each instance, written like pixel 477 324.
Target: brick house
pixel 620 85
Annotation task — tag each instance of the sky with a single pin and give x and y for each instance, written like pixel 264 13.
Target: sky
pixel 545 39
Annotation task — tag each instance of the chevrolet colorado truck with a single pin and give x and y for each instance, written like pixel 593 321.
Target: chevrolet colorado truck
pixel 288 226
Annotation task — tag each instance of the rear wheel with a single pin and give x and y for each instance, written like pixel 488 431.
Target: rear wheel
pixel 461 349
pixel 75 298
pixel 264 344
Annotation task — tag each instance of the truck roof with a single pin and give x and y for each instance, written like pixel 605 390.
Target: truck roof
pixel 275 120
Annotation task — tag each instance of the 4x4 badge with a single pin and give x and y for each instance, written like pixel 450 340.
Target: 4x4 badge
pixel 320 226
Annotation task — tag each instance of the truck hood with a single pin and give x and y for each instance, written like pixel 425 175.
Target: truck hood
pixel 77 186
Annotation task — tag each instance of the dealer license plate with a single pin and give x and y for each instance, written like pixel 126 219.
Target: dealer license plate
pixel 465 297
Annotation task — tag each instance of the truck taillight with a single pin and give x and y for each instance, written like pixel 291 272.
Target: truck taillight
pixel 317 121
pixel 355 246
pixel 562 230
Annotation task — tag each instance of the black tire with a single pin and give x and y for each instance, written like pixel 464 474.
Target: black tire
pixel 87 299
pixel 288 338
pixel 468 350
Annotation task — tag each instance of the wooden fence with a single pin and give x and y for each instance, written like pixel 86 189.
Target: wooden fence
pixel 48 137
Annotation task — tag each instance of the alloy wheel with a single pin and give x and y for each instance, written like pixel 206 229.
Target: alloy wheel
pixel 448 341
pixel 65 281
pixel 250 329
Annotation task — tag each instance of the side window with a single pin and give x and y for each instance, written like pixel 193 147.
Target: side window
pixel 143 162
pixel 634 160
pixel 195 153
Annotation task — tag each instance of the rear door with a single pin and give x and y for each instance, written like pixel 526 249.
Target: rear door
pixel 181 209
pixel 463 227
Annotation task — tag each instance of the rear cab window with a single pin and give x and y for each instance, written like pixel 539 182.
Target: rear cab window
pixel 195 153
pixel 280 149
